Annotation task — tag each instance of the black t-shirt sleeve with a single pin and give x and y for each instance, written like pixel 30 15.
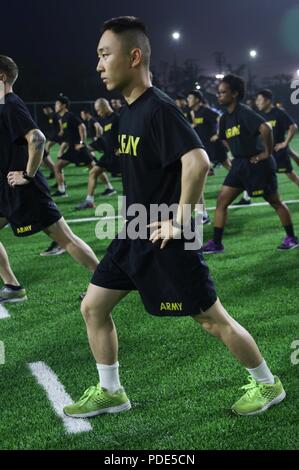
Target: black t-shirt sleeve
pixel 173 136
pixel 222 135
pixel 251 120
pixel 18 121
pixel 286 119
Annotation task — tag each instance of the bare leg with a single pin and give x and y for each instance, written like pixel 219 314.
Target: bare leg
pixel 6 272
pixel 226 196
pixel 96 309
pixel 240 343
pixel 58 171
pixel 94 173
pixel 77 248
pixel 293 177
pixel 281 209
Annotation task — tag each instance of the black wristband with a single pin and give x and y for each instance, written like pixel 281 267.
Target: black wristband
pixel 27 177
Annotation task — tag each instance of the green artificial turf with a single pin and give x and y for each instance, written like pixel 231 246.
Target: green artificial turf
pixel 181 381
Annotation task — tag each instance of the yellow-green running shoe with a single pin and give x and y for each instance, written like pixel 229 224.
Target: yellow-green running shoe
pixel 96 401
pixel 259 397
pixel 8 295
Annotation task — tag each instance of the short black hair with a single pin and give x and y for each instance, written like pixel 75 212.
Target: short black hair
pixel 180 96
pixel 64 100
pixel 266 93
pixel 134 32
pixel 10 68
pixel 236 84
pixel 198 94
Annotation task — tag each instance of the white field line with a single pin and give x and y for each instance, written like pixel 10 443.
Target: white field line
pixel 3 313
pixel 103 219
pixel 58 397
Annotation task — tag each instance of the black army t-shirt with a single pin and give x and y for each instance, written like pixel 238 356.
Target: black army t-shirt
pixel 15 123
pixel 241 130
pixel 205 120
pixel 53 127
pixel 280 121
pixel 109 139
pixel 153 136
pixel 90 126
pixel 70 125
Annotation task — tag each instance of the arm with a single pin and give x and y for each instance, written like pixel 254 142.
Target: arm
pixel 267 138
pixel 36 146
pixel 195 166
pixel 98 129
pixel 82 132
pixel 291 132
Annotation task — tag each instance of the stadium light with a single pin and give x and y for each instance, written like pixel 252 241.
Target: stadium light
pixel 219 76
pixel 176 35
pixel 253 53
pixel 297 72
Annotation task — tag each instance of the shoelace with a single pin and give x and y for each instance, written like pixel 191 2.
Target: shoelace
pixel 251 387
pixel 87 394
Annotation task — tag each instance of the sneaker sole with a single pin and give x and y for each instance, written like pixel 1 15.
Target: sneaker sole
pixel 13 301
pixel 276 401
pixel 110 194
pixel 114 409
pixel 53 254
pixel 213 252
pixel 288 249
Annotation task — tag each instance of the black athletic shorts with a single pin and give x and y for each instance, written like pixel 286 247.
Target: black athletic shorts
pixel 109 163
pixel 97 145
pixel 80 157
pixel 258 179
pixel 171 282
pixel 220 152
pixel 29 209
pixel 55 138
pixel 283 161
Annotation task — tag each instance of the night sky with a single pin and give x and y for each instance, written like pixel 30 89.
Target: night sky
pixel 54 42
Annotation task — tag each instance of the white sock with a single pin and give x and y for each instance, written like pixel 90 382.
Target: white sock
pixel 109 377
pixel 61 188
pixel 205 214
pixel 90 199
pixel 262 374
pixel 246 196
pixel 109 185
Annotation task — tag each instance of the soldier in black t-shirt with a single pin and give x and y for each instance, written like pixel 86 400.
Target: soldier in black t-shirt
pixel 250 140
pixel 181 103
pixel 74 134
pixel 163 162
pixel 25 201
pixel 284 129
pixel 205 122
pixel 93 127
pixel 52 130
pixel 106 144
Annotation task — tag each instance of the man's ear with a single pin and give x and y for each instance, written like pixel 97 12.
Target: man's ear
pixel 136 57
pixel 3 77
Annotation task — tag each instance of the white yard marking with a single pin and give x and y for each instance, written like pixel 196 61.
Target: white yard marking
pixel 58 397
pixel 3 312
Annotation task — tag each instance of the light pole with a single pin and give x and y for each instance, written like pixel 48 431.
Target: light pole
pixel 252 55
pixel 176 36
